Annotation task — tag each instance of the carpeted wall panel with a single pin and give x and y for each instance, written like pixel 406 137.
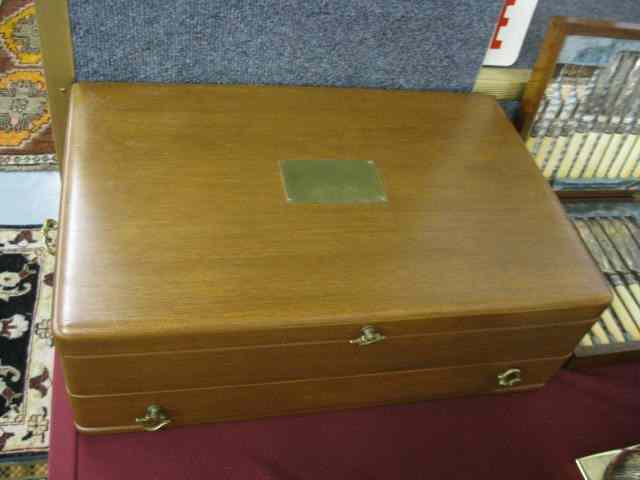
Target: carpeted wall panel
pixel 511 109
pixel 617 10
pixel 410 44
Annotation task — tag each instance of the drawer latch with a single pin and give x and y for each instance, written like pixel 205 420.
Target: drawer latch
pixel 369 335
pixel 155 419
pixel 509 378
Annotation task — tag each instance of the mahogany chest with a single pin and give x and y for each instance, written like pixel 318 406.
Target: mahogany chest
pixel 230 252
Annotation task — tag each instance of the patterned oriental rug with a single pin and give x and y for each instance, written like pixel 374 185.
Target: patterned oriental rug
pixel 26 140
pixel 29 468
pixel 26 352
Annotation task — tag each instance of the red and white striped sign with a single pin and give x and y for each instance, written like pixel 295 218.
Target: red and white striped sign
pixel 510 31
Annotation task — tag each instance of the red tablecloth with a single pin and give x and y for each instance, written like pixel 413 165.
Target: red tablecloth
pixel 535 435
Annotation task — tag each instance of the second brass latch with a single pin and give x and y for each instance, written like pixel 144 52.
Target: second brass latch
pixel 369 335
pixel 509 378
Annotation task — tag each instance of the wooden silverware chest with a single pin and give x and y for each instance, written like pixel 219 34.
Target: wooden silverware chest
pixel 237 252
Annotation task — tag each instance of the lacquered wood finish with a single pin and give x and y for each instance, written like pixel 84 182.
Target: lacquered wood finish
pixel 272 363
pixel 106 414
pixel 329 332
pixel 186 279
pixel 175 232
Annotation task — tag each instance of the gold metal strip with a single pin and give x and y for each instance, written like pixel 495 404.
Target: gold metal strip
pixel 502 83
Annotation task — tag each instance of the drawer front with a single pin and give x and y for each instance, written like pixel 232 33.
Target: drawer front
pixel 104 414
pixel 238 366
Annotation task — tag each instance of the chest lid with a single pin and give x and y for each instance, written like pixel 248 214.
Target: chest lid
pixel 213 216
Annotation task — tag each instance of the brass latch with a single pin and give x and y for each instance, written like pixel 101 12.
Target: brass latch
pixel 369 335
pixel 511 377
pixel 155 419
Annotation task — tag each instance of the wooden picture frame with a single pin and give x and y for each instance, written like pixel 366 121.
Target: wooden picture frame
pixel 544 72
pixel 559 29
pixel 57 54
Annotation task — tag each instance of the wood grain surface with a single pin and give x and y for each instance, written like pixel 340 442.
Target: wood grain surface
pixel 297 361
pixel 115 413
pixel 175 232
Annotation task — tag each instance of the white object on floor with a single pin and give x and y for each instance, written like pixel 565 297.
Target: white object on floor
pixel 511 29
pixel 27 198
pixel 594 466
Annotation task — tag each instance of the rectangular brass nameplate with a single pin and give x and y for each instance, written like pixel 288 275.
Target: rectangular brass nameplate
pixel 332 181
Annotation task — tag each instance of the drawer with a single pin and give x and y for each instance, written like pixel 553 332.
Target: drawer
pixel 111 413
pixel 109 374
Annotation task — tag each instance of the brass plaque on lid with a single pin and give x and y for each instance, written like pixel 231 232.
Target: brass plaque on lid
pixel 332 181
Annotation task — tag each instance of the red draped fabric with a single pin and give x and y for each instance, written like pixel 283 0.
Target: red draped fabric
pixel 534 435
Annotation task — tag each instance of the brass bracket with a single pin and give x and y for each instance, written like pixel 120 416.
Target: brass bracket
pixel 509 378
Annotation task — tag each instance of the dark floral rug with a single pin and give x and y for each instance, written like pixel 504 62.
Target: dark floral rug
pixel 26 345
